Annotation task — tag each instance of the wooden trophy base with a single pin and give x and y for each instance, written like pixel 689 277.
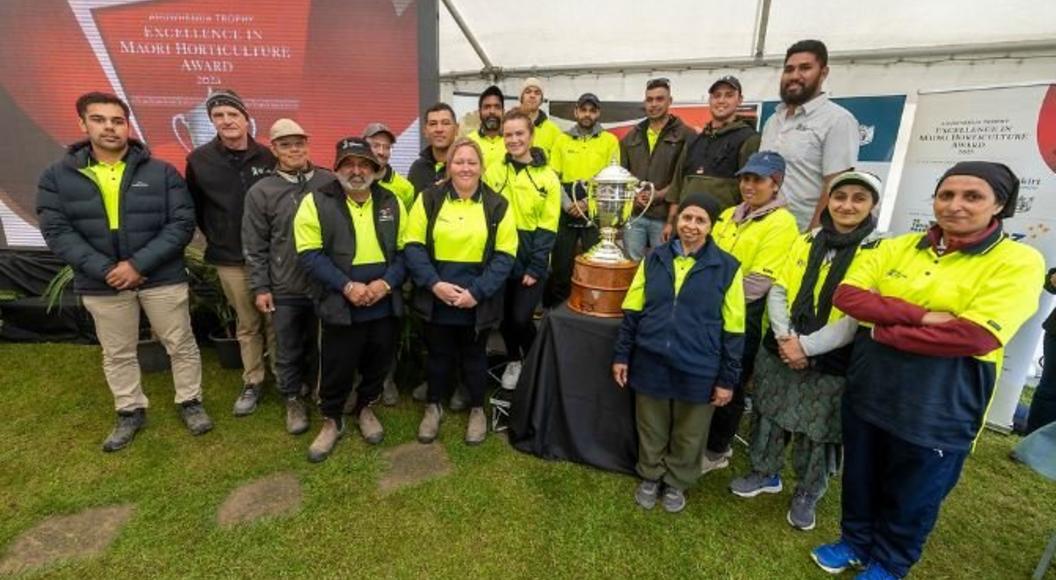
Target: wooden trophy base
pixel 598 288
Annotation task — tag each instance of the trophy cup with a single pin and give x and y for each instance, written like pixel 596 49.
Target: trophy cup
pixel 602 274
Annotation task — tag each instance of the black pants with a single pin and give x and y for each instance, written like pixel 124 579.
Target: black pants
pixel 518 328
pixel 450 345
pixel 1043 406
pixel 364 347
pixel 296 332
pixel 727 418
pixel 892 492
pixel 562 259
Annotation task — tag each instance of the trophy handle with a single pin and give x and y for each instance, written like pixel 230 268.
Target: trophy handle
pixel 652 196
pixel 178 120
pixel 586 187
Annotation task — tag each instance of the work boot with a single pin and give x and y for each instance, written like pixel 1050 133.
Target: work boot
pixel 429 428
pixel 296 416
pixel 477 429
pixel 194 417
pixel 369 426
pixel 459 400
pixel 326 440
pixel 128 423
pixel 421 392
pixel 390 395
pixel 248 399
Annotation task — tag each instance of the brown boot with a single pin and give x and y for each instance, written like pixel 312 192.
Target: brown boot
pixel 369 427
pixel 429 428
pixel 477 429
pixel 326 440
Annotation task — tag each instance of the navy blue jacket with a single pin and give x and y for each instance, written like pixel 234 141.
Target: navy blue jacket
pixel 156 219
pixel 686 332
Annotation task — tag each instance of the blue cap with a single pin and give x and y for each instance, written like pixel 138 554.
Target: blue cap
pixel 765 163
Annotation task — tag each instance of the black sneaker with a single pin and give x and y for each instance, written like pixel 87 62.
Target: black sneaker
pixel 128 424
pixel 194 416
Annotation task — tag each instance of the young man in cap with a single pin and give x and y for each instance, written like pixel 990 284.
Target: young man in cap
pixel 710 160
pixel 381 140
pixel 580 153
pixel 490 107
pixel 121 220
pixel 650 150
pixel 818 137
pixel 441 128
pixel 349 237
pixel 546 131
pixel 279 283
pixel 219 174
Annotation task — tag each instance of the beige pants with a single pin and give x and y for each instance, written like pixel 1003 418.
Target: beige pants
pixel 253 328
pixel 117 326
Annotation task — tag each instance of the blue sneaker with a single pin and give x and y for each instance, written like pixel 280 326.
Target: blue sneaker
pixel 835 557
pixel 875 572
pixel 755 483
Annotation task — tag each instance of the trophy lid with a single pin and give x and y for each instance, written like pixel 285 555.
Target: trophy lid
pixel 615 173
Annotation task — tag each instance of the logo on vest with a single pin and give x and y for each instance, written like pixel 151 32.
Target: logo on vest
pixel 258 171
pixel 140 184
pixel 893 273
pixel 386 214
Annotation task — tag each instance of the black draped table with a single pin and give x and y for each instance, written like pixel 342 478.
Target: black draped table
pixel 567 405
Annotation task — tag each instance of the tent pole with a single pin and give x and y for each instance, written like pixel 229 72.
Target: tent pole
pixel 760 37
pixel 490 70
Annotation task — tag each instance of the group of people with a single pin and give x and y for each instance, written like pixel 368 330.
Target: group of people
pixel 759 269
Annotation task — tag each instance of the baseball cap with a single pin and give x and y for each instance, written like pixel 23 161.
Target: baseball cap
pixel 354 147
pixel 588 98
pixel 492 91
pixel 376 129
pixel 765 163
pixel 285 128
pixel 726 80
pixel 863 178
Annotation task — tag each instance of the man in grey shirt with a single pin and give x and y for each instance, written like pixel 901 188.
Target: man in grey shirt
pixel 818 138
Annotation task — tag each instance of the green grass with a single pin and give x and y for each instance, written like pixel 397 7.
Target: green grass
pixel 499 514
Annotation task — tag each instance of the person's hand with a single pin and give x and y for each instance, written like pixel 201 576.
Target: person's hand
pixel 356 293
pixel 124 276
pixel 265 302
pixel 792 352
pixel 528 281
pixel 665 234
pixel 465 300
pixel 933 318
pixel 377 290
pixel 721 396
pixel 641 199
pixel 447 292
pixel 619 374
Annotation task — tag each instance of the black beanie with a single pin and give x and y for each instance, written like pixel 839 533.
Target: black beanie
pixel 225 97
pixel 705 202
pixel 1001 179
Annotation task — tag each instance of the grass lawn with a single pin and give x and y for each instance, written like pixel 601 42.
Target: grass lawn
pixel 499 514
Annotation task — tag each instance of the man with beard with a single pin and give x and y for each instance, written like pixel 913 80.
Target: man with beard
pixel 710 160
pixel 121 220
pixel 818 138
pixel 580 153
pixel 489 136
pixel 545 130
pixel 279 283
pixel 381 140
pixel 349 237
pixel 441 128
pixel 219 174
pixel 650 150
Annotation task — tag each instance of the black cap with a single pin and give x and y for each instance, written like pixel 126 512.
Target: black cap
pixel 354 147
pixel 726 80
pixel 492 91
pixel 588 98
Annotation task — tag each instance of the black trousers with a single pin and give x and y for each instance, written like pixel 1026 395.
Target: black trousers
pixel 562 259
pixel 727 419
pixel 1043 406
pixel 366 348
pixel 518 328
pixel 448 346
pixel 297 356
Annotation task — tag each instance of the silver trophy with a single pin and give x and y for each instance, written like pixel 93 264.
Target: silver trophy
pixel 610 196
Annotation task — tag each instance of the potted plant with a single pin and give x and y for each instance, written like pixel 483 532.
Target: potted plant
pixel 150 352
pixel 208 295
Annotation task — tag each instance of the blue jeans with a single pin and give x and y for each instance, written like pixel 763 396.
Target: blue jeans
pixel 641 234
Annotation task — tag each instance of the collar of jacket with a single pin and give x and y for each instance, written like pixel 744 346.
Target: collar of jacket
pixel 705 257
pixel 576 132
pixel 744 212
pixel 252 149
pixel 386 176
pixel 539 120
pixel 450 193
pixel 334 189
pixel 808 107
pixel 982 243
pixel 728 127
pixel 672 121
pixel 538 158
pixel 79 154
pixel 427 154
pixel 296 176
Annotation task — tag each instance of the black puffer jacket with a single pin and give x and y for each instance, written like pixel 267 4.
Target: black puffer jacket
pixel 218 183
pixel 156 219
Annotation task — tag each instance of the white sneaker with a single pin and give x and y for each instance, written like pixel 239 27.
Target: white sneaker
pixel 721 462
pixel 511 375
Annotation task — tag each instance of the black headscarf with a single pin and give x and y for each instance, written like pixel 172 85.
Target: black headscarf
pixel 804 317
pixel 1001 179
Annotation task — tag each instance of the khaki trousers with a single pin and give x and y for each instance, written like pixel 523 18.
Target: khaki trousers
pixel 252 328
pixel 671 436
pixel 117 326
